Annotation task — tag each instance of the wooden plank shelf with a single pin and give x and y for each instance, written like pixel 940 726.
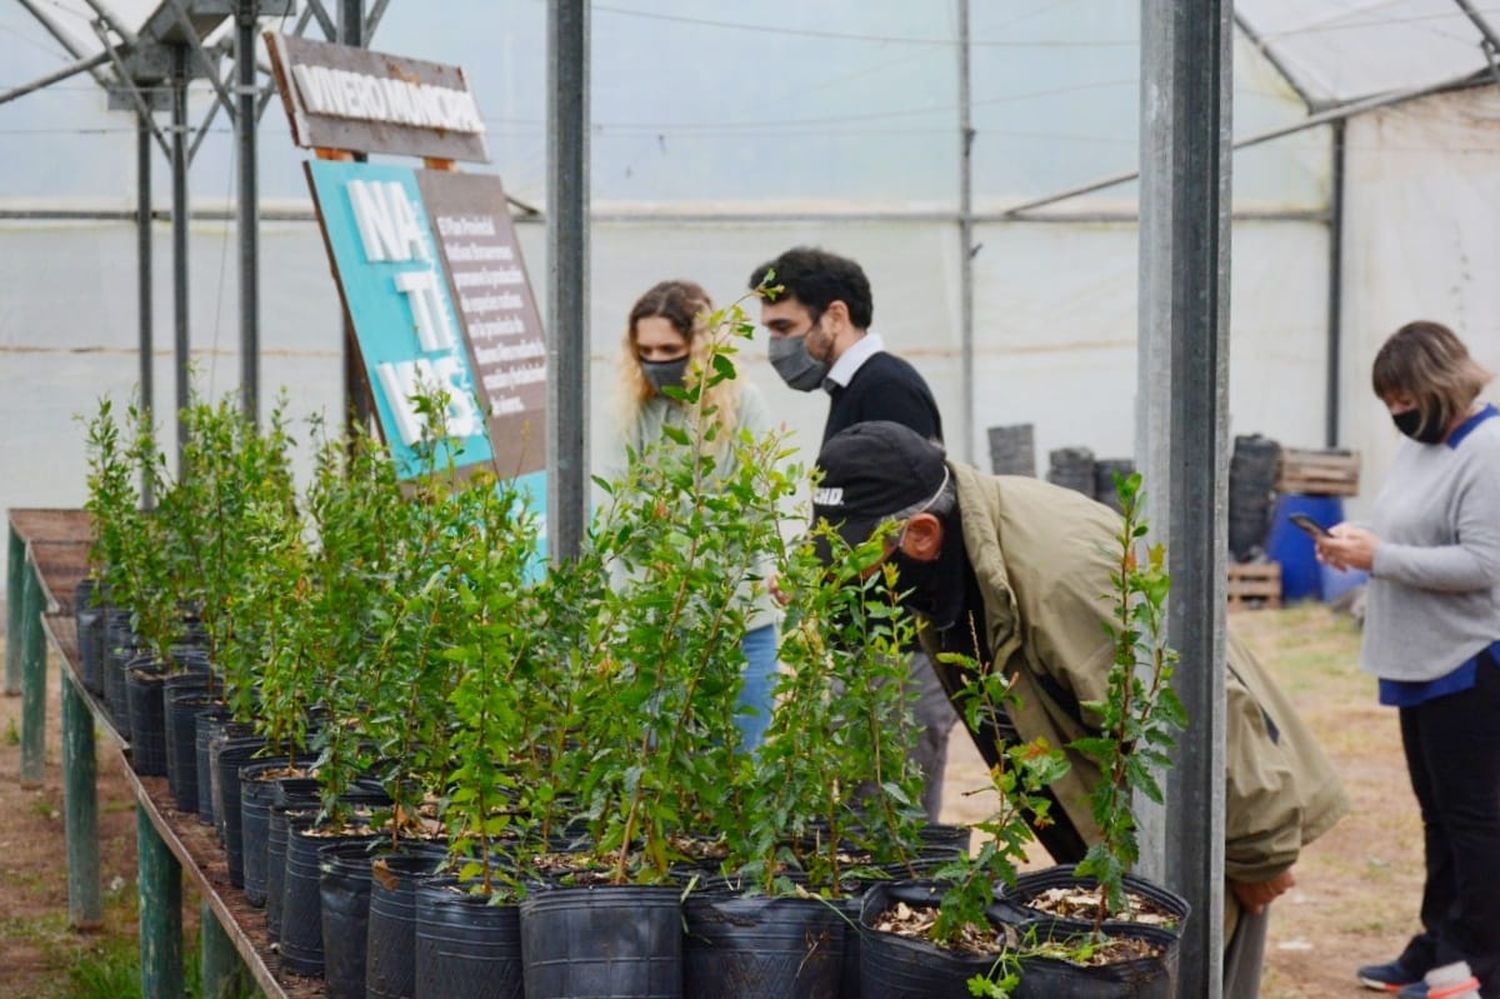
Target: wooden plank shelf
pixel 50 549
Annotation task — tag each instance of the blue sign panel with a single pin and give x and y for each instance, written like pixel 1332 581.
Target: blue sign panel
pixel 396 292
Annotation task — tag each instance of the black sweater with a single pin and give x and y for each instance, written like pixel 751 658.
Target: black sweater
pixel 884 388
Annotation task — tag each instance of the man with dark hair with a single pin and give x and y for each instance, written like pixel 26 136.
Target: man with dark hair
pixel 819 318
pixel 1008 572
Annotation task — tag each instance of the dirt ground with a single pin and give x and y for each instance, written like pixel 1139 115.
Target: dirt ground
pixel 1355 901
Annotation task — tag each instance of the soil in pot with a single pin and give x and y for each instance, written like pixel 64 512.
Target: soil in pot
pixel 467 946
pixel 618 941
pixel 301 902
pixel 762 948
pixel 390 962
pixel 148 726
pixel 344 893
pixel 1073 902
pixel 1133 962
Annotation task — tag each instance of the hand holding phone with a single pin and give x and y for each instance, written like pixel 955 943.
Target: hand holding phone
pixel 1309 525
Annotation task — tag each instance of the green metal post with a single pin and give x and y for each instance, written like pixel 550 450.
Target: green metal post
pixel 224 975
pixel 80 809
pixel 15 584
pixel 33 683
pixel 160 878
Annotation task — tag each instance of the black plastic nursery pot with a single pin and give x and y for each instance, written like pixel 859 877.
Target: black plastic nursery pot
pixel 175 687
pixel 897 967
pixel 236 755
pixel 466 945
pixel 233 735
pixel 120 647
pixel 257 793
pixel 208 724
pixel 850 906
pixel 221 728
pixel 344 893
pixel 90 620
pixel 1014 903
pixel 1143 978
pixel 182 709
pixel 620 941
pixel 390 962
pixel 282 820
pixel 148 726
pixel 301 902
pixel 904 968
pixel 762 948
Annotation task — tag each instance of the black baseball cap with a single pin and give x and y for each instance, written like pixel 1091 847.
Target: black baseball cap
pixel 871 472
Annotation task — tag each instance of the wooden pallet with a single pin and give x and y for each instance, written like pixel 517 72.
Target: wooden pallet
pixel 1254 584
pixel 1318 473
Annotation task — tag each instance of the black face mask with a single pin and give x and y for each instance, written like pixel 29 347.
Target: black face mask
pixel 664 374
pixel 934 589
pixel 1410 423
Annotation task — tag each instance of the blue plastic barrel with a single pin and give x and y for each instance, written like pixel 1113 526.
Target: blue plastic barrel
pixel 1301 576
pixel 1337 582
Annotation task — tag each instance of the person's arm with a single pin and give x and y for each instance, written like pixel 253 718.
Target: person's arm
pixel 1473 563
pixel 1262 810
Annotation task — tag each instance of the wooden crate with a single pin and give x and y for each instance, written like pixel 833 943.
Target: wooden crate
pixel 1254 584
pixel 1319 473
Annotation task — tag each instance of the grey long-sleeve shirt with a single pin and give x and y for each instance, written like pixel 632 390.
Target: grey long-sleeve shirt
pixel 1434 597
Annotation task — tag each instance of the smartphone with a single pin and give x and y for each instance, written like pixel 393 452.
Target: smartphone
pixel 1309 525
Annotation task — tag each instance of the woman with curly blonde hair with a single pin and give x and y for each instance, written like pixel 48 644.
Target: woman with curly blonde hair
pixel 666 333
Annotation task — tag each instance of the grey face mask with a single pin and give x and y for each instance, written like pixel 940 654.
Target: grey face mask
pixel 795 365
pixel 662 374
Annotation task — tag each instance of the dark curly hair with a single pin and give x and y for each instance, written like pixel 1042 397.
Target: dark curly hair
pixel 817 279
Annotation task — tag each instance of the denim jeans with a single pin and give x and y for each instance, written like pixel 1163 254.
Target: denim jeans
pixel 760 648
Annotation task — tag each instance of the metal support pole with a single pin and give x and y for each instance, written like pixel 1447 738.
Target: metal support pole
pixel 15 603
pixel 224 975
pixel 181 337
pixel 568 272
pixel 144 292
pixel 1335 286
pixel 73 69
pixel 358 407
pixel 248 221
pixel 1182 424
pixel 80 809
pixel 966 248
pixel 160 878
pixel 33 682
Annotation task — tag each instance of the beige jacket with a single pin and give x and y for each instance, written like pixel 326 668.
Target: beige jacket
pixel 1042 555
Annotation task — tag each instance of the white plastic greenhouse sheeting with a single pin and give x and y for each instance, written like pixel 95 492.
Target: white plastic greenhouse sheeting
pixel 1055 314
pixel 1420 239
pixel 1342 50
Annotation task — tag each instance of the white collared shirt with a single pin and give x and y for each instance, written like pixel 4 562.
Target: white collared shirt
pixel 845 368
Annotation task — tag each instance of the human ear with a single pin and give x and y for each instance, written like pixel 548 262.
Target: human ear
pixel 922 540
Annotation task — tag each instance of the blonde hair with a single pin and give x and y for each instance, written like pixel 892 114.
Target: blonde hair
pixel 687 307
pixel 1428 362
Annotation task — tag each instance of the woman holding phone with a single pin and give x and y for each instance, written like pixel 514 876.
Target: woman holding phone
pixel 664 335
pixel 1432 636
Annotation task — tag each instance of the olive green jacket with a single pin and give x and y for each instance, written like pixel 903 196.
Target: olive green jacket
pixel 1043 557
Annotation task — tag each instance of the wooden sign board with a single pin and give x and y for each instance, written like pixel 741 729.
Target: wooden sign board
pixel 341 97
